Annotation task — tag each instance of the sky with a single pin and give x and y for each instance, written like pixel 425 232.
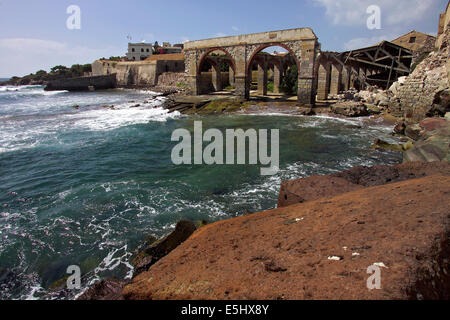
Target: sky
pixel 34 34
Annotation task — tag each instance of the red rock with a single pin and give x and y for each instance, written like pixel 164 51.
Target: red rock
pixel 284 253
pixel 316 187
pixel 313 188
pixel 431 124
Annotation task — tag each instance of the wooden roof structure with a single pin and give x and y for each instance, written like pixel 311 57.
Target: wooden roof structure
pixel 384 56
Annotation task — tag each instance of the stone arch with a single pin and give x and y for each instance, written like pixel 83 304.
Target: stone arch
pixel 252 51
pixel 216 81
pixel 206 53
pixel 301 43
pixel 260 48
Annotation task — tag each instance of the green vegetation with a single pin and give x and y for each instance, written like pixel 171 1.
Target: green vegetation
pixel 113 58
pixel 57 72
pixel 270 86
pixel 383 145
pixel 289 85
pixel 216 107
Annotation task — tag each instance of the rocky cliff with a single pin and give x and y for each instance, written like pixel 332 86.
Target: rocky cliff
pixel 321 248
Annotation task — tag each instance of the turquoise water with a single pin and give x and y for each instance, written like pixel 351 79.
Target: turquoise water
pixel 86 186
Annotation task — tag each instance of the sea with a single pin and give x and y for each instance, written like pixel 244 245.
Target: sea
pixel 84 184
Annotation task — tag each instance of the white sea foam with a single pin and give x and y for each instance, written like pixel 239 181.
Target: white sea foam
pixel 29 124
pixel 106 119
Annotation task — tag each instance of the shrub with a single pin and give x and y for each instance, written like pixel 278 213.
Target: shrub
pixel 289 84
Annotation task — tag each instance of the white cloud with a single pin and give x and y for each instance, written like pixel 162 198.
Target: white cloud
pixel 235 28
pixel 362 42
pixel 398 12
pixel 184 39
pixel 21 56
pixel 220 34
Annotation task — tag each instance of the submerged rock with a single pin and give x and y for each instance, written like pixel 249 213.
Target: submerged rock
pixel 158 249
pixel 413 131
pixel 350 109
pixel 383 145
pixel 109 289
pixel 400 127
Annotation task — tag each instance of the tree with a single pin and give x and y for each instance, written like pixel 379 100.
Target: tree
pixel 59 69
pixel 289 84
pixel 156 48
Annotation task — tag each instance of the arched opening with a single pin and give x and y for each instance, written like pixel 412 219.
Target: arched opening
pixel 272 72
pixel 216 72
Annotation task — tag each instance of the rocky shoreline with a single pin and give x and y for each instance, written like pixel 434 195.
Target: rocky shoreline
pixel 326 232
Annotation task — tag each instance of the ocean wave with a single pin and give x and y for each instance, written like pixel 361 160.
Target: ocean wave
pixel 106 119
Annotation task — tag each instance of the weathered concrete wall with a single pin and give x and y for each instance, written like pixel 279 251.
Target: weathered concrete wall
pixel 301 43
pixel 141 73
pixel 83 83
pixel 128 73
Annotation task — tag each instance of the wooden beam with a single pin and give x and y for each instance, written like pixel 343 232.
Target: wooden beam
pixel 378 64
pixel 377 53
pixel 390 74
pixel 400 64
pixel 370 57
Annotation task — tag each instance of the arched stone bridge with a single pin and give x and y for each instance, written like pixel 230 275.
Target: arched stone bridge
pixel 242 50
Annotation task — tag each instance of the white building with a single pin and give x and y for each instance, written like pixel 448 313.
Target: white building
pixel 139 51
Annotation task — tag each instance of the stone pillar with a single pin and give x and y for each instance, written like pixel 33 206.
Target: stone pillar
pixel 345 78
pixel 354 76
pixel 362 75
pixel 306 57
pixel 336 78
pixel 242 87
pixel 262 78
pixel 323 86
pixel 193 86
pixel 216 78
pixel 231 76
pixel 276 78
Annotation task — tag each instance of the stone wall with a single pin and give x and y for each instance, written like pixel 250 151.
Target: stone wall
pixel 83 83
pixel 422 94
pixel 142 73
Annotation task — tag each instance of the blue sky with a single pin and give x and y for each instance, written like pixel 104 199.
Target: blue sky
pixel 33 34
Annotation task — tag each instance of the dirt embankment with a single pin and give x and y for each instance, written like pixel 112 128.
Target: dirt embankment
pixel 321 249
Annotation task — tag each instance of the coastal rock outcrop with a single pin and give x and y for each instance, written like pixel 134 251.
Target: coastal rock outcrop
pixel 432 137
pixel 316 187
pixel 157 249
pixel 350 109
pixel 289 253
pixel 109 289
